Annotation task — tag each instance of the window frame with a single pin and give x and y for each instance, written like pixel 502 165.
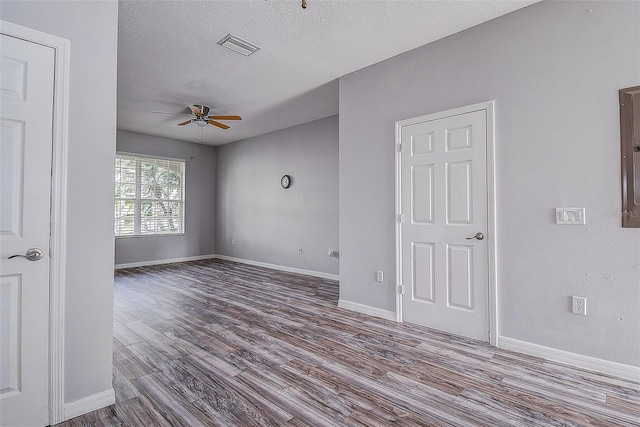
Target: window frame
pixel 139 200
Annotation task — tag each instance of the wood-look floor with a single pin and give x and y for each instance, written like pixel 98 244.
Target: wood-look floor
pixel 213 342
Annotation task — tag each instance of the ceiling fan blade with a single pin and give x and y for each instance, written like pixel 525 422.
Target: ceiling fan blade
pixel 195 110
pixel 225 117
pixel 220 125
pixel 186 122
pixel 171 114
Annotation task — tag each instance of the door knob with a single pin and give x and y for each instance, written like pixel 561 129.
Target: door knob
pixel 33 254
pixel 478 236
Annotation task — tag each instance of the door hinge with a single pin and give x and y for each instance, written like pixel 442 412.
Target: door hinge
pixel 400 218
pixel 400 147
pixel 400 290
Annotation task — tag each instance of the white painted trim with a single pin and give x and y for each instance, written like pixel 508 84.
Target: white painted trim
pixel 281 268
pixel 492 250
pixel 367 309
pixel 163 261
pixel 229 258
pixel 57 243
pixel 89 403
pixel 398 189
pixel 492 223
pixel 573 359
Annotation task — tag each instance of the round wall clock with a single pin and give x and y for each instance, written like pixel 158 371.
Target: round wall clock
pixel 285 181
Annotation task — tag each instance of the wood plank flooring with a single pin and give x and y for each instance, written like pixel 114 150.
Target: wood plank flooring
pixel 212 342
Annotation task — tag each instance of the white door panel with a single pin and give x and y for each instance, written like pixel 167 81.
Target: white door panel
pixel 26 97
pixel 443 187
pixel 423 264
pixel 422 194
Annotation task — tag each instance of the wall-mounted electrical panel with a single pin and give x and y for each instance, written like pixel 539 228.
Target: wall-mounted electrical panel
pixel 630 155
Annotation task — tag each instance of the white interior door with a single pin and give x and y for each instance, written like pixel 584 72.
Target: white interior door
pixel 443 197
pixel 26 97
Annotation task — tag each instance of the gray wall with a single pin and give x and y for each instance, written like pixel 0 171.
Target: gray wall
pixel 92 29
pixel 554 70
pixel 267 223
pixel 199 236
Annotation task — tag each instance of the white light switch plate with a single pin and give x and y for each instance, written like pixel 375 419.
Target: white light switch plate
pixel 571 216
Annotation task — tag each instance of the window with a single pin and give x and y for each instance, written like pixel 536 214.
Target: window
pixel 149 196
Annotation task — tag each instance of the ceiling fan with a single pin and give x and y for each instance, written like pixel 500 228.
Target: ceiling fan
pixel 201 118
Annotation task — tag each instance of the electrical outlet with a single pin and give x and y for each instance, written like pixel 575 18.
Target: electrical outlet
pixel 233 242
pixel 379 276
pixel 570 216
pixel 300 250
pixel 579 305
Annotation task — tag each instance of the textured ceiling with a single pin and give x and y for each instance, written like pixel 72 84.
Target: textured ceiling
pixel 168 57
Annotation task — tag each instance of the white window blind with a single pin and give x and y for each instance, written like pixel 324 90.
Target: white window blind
pixel 149 196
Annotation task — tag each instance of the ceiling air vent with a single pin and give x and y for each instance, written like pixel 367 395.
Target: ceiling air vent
pixel 237 44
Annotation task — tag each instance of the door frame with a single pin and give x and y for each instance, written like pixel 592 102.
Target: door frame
pixel 492 254
pixel 58 209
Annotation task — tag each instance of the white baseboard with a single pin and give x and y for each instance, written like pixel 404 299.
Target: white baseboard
pixel 367 309
pixel 163 261
pixel 89 403
pixel 281 267
pixel 574 359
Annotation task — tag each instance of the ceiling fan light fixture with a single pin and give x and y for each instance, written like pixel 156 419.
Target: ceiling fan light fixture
pixel 200 116
pixel 239 45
